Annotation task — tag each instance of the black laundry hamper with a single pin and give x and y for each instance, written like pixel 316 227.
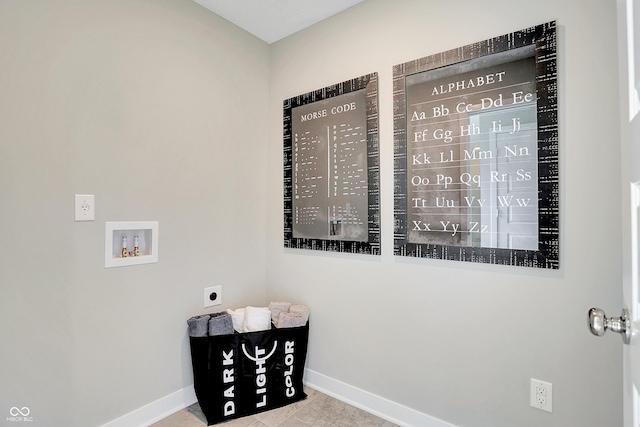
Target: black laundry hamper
pixel 247 373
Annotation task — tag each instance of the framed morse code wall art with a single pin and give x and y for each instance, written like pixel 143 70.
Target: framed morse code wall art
pixel 331 168
pixel 476 152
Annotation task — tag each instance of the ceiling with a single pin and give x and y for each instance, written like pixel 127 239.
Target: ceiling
pixel 272 20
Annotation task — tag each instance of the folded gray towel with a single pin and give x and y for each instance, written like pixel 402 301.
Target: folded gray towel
pixel 199 326
pixel 220 324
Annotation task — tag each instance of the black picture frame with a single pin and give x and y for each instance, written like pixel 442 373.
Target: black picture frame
pixel 356 228
pixel 435 185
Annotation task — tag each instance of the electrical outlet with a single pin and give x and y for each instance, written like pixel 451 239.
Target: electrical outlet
pixel 212 296
pixel 542 395
pixel 85 207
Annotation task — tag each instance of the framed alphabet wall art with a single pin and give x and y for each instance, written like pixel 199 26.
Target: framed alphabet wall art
pixel 476 152
pixel 331 168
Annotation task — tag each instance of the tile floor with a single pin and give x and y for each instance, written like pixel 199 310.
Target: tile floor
pixel 317 410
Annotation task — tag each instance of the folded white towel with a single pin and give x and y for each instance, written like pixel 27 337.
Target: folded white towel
pixel 237 317
pixel 302 309
pixel 277 308
pixel 257 319
pixel 291 320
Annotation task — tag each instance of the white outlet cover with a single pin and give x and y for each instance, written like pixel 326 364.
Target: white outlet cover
pixel 544 390
pixel 208 302
pixel 85 207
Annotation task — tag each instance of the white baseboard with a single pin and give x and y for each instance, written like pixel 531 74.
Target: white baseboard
pixel 376 405
pixel 155 411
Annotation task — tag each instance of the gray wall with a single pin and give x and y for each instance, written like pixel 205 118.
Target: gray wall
pixel 145 104
pixel 459 341
pixel 157 108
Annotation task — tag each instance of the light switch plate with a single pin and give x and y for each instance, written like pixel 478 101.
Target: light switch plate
pixel 85 207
